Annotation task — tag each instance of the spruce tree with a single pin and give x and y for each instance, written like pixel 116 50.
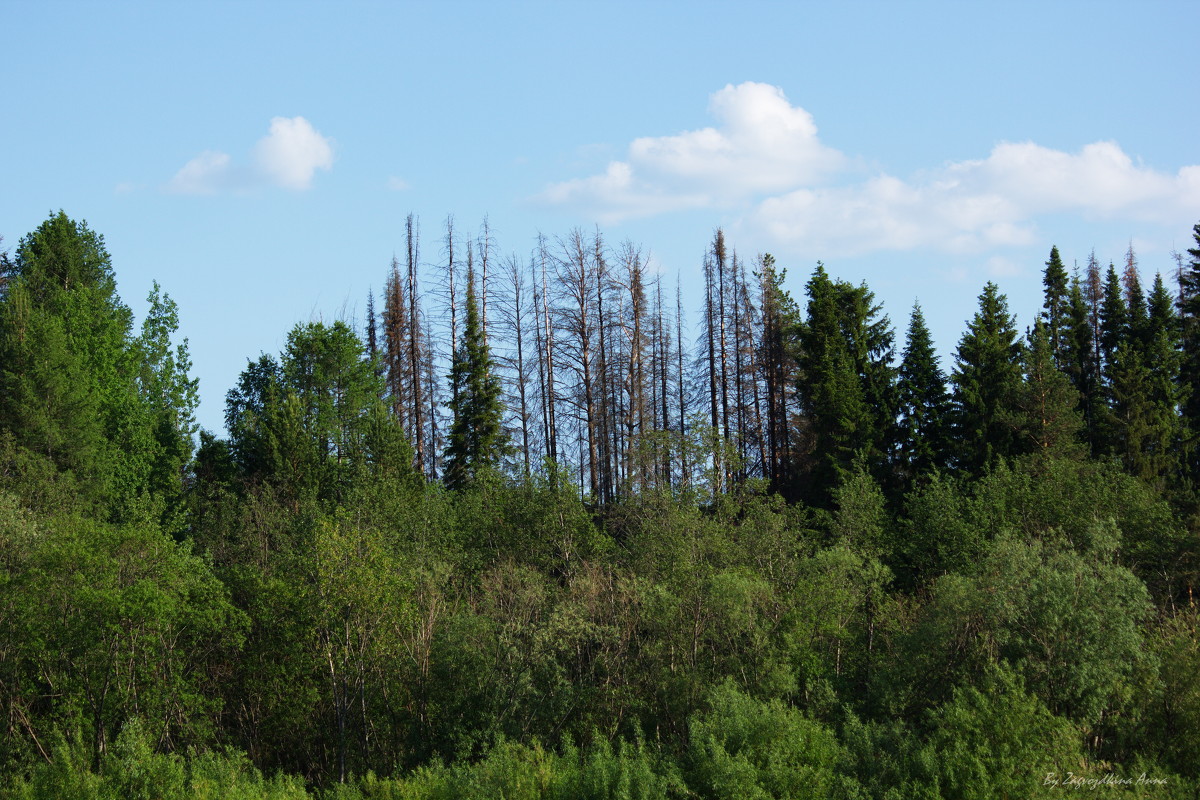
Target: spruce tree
pixel 986 378
pixel 1159 456
pixel 477 440
pixel 1045 411
pixel 1116 357
pixel 1189 370
pixel 924 404
pixel 1114 318
pixel 1135 301
pixel 1057 305
pixel 846 383
pixel 1080 363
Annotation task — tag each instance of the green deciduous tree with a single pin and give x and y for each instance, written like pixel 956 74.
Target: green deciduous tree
pixel 111 411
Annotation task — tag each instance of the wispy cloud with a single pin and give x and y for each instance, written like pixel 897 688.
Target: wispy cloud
pixel 287 157
pixel 765 163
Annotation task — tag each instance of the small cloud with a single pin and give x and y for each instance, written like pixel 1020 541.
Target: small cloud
pixel 397 184
pixel 207 173
pixel 125 187
pixel 287 157
pixel 1001 267
pixel 292 151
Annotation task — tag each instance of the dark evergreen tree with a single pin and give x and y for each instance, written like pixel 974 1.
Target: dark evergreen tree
pixel 477 440
pixel 1081 365
pixel 986 378
pixel 924 405
pixel 846 384
pixel 1057 305
pixel 1159 457
pixel 1118 369
pixel 1135 301
pixel 1114 321
pixel 1045 411
pixel 1189 371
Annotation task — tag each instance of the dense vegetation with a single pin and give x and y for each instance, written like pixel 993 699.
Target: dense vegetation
pixel 540 545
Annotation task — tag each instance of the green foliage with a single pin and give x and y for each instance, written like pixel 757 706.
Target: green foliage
pixel 997 741
pixel 1067 621
pixel 1175 721
pixel 136 770
pixel 111 623
pixel 744 748
pixel 112 413
pixel 313 423
pixel 314 602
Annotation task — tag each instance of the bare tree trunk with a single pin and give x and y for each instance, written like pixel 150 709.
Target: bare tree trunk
pixel 451 275
pixel 431 383
pixel 551 389
pixel 414 341
pixel 396 325
pixel 710 334
pixel 719 258
pixel 739 388
pixel 663 336
pixel 605 445
pixel 513 313
pixel 685 467
pixel 485 252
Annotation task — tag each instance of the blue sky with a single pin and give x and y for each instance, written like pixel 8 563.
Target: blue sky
pixel 259 159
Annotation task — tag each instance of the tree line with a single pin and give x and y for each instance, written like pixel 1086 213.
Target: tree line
pixel 520 533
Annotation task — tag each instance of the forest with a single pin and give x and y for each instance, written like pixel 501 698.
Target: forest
pixel 528 531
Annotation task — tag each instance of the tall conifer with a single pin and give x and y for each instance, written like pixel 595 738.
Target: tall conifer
pixel 477 439
pixel 986 379
pixel 924 404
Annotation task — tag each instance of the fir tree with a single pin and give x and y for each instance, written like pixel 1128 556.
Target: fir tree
pixel 1057 305
pixel 1189 370
pixel 924 404
pixel 1114 320
pixel 986 379
pixel 846 381
pixel 1080 363
pixel 477 439
pixel 1045 410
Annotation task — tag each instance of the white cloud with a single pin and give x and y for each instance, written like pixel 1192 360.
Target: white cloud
pixel 287 157
pixel 763 144
pixel 207 173
pixel 972 205
pixel 397 184
pixel 764 161
pixel 292 151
